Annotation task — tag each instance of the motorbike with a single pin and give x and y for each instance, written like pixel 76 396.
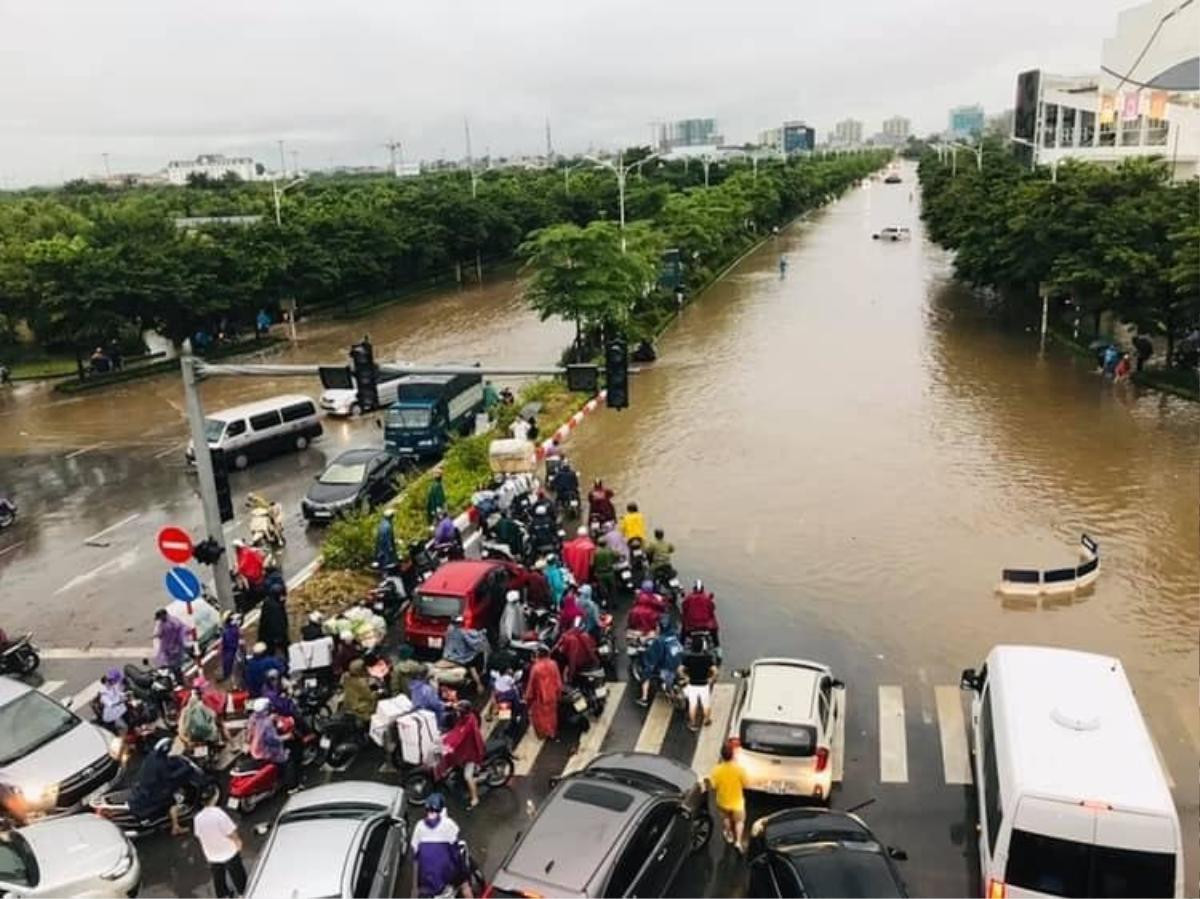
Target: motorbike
pixel 386 598
pixel 606 646
pixel 638 563
pixel 312 695
pixel 512 717
pixel 635 647
pixel 159 689
pixel 252 780
pixel 495 771
pixel 19 656
pixel 593 683
pixel 266 522
pixel 142 727
pixel 667 585
pixel 473 875
pixel 568 505
pixel 190 796
pixel 573 708
pixel 8 512
pixel 342 738
pixel 625 578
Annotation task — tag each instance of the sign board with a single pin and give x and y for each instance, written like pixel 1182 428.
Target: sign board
pixel 175 544
pixel 183 585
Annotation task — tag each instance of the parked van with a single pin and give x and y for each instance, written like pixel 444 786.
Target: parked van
pixel 263 429
pixel 1073 800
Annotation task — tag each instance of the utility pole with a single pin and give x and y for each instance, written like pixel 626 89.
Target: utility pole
pixel 295 162
pixel 107 170
pixel 208 480
pixel 393 147
pixel 282 161
pixel 549 143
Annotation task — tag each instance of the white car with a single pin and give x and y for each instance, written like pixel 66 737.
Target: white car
pixel 79 855
pixel 788 727
pixel 343 401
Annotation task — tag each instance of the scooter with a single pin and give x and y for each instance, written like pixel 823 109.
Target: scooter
pixel 667 585
pixel 142 728
pixel 387 598
pixel 266 522
pixel 606 646
pixel 593 683
pixel 512 717
pixel 342 738
pixel 190 796
pixel 20 656
pixel 568 505
pixel 252 780
pixel 158 688
pixel 495 771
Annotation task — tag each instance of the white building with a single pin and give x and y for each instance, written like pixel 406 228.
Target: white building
pixel 847 133
pixel 214 166
pixel 897 129
pixel 1144 101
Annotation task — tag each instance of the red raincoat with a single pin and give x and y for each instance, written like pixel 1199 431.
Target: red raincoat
pixel 542 695
pixel 461 744
pixel 578 555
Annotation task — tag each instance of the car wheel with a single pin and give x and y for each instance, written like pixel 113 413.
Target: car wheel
pixel 240 461
pixel 355 410
pixel 301 442
pixel 27 661
pixel 702 828
pixel 417 787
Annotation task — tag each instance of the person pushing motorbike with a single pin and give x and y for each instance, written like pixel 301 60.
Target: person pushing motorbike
pixel 154 790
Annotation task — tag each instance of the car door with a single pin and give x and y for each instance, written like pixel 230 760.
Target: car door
pixel 389 859
pixel 370 857
pixel 376 481
pixel 666 833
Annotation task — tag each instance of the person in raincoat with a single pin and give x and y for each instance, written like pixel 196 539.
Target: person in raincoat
pixel 578 555
pixel 467 647
pixel 537 590
pixel 436 497
pixel 170 641
pixel 273 623
pixel 589 611
pixel 512 619
pixel 385 542
pixel 556 577
pixel 578 652
pixel 604 572
pixel 357 697
pixel 491 397
pixel 510 535
pixel 570 612
pixel 615 541
pixel 231 643
pixel 463 747
pixel 424 695
pixel 198 722
pixel 542 694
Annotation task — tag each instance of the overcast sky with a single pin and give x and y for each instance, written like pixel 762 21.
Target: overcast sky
pixel 150 80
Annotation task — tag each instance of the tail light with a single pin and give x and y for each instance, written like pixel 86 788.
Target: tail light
pixel 996 889
pixel 822 758
pixel 735 743
pixel 468 618
pixel 410 618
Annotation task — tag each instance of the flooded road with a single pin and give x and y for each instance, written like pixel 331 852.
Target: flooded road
pixel 851 453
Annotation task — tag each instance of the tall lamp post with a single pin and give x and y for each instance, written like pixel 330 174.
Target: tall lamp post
pixel 622 172
pixel 277 192
pixel 978 151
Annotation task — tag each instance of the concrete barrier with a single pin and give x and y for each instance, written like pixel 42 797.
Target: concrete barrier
pixel 1054 581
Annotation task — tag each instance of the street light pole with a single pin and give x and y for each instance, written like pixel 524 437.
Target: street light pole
pixel 208 480
pixel 277 192
pixel 621 171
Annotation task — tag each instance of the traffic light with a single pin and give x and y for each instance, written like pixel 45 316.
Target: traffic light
pixel 616 373
pixel 583 378
pixel 362 355
pixel 207 551
pixel 221 476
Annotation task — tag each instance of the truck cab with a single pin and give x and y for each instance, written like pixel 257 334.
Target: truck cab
pixel 428 410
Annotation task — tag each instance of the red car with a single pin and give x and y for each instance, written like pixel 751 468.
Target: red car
pixel 473 589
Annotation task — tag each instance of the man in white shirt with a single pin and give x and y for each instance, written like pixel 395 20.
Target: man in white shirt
pixel 222 847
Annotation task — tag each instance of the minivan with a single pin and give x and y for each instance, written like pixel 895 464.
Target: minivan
pixel 259 430
pixel 1073 800
pixel 473 589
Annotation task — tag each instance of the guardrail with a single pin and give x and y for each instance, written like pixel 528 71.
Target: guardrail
pixel 1035 582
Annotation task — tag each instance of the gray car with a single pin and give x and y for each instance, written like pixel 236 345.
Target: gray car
pixel 342 839
pixel 622 826
pixel 75 855
pixel 51 760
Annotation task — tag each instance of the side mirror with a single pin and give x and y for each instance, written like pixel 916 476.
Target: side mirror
pixel 969 680
pixel 555 781
pixel 838 684
pixel 741 672
pixel 262 829
pixel 898 854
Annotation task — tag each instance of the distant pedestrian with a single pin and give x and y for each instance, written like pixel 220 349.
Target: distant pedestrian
pixel 1122 369
pixel 435 500
pixel 170 642
pixel 231 643
pixel 273 625
pixel 1109 360
pixel 1144 348
pixel 262 323
pixel 222 847
pixel 385 542
pixel 728 783
pixel 491 398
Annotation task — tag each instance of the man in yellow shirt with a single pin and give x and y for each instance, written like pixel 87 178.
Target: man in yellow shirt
pixel 727 780
pixel 633 524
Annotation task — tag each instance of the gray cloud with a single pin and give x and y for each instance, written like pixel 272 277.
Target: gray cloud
pixel 149 80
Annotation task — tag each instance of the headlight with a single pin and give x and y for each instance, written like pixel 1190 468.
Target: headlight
pixel 38 795
pixel 121 868
pixel 116 747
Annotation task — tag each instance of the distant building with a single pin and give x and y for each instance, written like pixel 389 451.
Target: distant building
pixel 1000 125
pixel 196 222
pixel 689 133
pixel 966 122
pixel 407 169
pixel 214 166
pixel 789 138
pixel 1144 101
pixel 847 133
pixel 897 129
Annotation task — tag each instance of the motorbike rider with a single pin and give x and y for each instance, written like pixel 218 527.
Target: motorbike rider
pixel 698 612
pixel 646 595
pixel 446 536
pixel 565 482
pixel 385 542
pixel 114 706
pixel 266 519
pixel 578 555
pixel 358 699
pixel 462 747
pixel 699 667
pixel 266 745
pixel 467 647
pixel 600 505
pixel 543 528
pixel 273 624
pixel 589 611
pixel 154 790
pixel 510 534
pixel 556 577
pixel 314 627
pixel 512 619
pixel 659 552
pixel 537 588
pixel 643 617
pixel 437 856
pixel 604 573
pixel 577 650
pixel 424 694
pixel 633 524
pixel 197 721
pixel 249 567
pixel 257 667
pixel 661 660
pixel 615 541
pixel 170 642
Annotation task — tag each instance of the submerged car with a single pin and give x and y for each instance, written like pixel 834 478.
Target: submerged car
pixel 892 233
pixel 355 481
pixel 77 855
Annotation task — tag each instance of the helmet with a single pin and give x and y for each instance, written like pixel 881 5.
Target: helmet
pixel 260 706
pixel 163 746
pixel 388 513
pixel 512 596
pixel 597 482
pixel 435 803
pixel 581 531
pixel 698 587
pixel 239 543
pixel 316 617
pixel 259 648
pixel 648 586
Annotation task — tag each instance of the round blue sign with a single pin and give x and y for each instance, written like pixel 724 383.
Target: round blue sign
pixel 183 585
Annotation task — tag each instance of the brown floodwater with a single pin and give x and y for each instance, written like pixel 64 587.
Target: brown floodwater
pixel 490 324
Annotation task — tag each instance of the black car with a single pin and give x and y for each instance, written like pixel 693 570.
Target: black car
pixel 820 852
pixel 622 826
pixel 353 482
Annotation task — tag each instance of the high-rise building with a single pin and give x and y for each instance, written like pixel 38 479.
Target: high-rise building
pixel 966 122
pixel 689 133
pixel 848 133
pixel 790 137
pixel 897 128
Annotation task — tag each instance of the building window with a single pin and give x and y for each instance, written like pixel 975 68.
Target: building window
pixel 1108 133
pixel 1049 124
pixel 1087 128
pixel 1131 132
pixel 1066 133
pixel 1156 132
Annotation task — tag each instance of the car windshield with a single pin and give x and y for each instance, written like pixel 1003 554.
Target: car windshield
pixel 17 864
pixel 344 473
pixel 29 721
pixel 430 605
pixel 352 811
pixel 398 417
pixel 213 428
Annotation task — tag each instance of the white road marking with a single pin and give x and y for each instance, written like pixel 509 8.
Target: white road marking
pixel 50 687
pixel 956 757
pixel 590 743
pixel 95 652
pixel 1162 761
pixel 893 741
pixel 839 735
pixel 81 699
pixel 173 448
pixel 526 753
pixel 123 561
pixel 654 730
pixel 12 546
pixel 85 449
pixel 303 574
pixel 113 527
pixel 708 744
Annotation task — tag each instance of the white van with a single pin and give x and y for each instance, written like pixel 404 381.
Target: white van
pixel 1072 798
pixel 259 430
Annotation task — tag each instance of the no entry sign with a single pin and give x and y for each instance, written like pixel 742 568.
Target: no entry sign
pixel 175 544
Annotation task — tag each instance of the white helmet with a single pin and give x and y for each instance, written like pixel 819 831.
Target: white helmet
pixel 260 705
pixel 581 531
pixel 512 596
pixel 698 587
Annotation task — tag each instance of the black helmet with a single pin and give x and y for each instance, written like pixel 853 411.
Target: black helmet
pixel 435 803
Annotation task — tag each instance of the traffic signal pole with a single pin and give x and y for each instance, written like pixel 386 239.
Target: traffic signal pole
pixel 208 480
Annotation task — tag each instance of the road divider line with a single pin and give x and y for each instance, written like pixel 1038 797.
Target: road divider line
pixel 654 729
pixel 173 448
pixel 708 744
pixel 839 734
pixel 526 753
pixel 51 687
pixel 95 652
pixel 952 729
pixel 590 742
pixel 85 449
pixel 893 739
pixel 113 527
pixel 124 560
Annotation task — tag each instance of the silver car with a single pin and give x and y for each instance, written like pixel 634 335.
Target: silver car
pixel 50 759
pixel 341 839
pixel 76 855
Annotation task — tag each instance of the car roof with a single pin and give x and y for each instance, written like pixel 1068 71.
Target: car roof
pixel 362 454
pixel 579 826
pixel 783 690
pixel 344 792
pixel 644 765
pixel 808 824
pixel 307 858
pixel 267 405
pixel 456 578
pixel 844 869
pixel 1065 721
pixel 10 689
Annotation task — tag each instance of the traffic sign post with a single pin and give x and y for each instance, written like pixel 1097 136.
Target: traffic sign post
pixel 184 586
pixel 175 544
